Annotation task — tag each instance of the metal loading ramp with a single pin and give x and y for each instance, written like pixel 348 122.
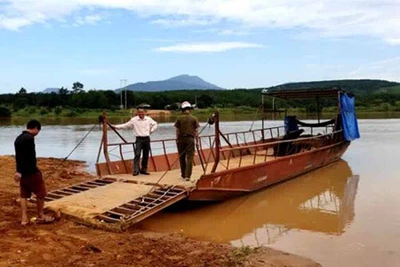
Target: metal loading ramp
pixel 113 204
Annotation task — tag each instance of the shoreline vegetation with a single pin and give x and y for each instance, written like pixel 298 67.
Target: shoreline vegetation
pixel 243 111
pixel 372 97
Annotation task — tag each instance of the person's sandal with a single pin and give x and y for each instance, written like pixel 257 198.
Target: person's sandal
pixel 45 220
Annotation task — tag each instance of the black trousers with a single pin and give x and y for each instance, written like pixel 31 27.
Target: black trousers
pixel 142 144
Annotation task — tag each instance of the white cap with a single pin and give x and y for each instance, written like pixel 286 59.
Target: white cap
pixel 185 104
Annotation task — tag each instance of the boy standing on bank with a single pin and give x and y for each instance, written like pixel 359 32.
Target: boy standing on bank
pixel 186 132
pixel 28 175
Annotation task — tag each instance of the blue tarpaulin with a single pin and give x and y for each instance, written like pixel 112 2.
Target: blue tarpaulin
pixel 349 118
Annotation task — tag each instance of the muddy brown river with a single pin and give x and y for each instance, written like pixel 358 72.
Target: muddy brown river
pixel 345 214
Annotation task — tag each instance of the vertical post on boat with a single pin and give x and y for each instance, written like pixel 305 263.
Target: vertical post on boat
pixel 262 102
pixel 339 119
pixel 273 104
pixel 105 142
pixel 262 128
pixel 217 141
pixel 318 113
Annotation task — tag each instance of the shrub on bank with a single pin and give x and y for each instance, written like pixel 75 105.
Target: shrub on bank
pixel 43 111
pixel 71 113
pixel 5 112
pixel 57 110
pixel 32 110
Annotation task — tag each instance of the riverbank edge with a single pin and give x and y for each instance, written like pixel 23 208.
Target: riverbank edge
pixel 28 239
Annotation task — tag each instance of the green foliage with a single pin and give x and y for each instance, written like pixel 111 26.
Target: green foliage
pixel 22 91
pixel 372 94
pixel 77 88
pixel 240 255
pixel 63 91
pixel 71 113
pixel 20 103
pixel 43 111
pixel 4 112
pixel 57 110
pixel 32 110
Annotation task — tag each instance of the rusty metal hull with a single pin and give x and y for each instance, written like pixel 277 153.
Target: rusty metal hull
pixel 238 181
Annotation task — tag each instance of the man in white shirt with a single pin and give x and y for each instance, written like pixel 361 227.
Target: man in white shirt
pixel 142 126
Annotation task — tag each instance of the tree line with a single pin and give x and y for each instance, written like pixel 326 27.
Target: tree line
pixel 376 95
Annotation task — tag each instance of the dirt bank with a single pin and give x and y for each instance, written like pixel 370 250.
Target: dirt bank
pixel 64 243
pixel 158 112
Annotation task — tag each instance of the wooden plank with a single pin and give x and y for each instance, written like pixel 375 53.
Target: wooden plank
pixel 147 198
pixel 80 188
pixel 132 206
pixel 95 183
pixel 124 210
pixel 104 181
pixel 158 196
pixel 64 194
pixel 87 186
pixel 143 215
pixel 55 195
pixel 116 213
pixel 107 219
pixel 71 190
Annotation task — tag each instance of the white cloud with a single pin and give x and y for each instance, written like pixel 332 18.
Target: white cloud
pixel 224 32
pixel 207 47
pixel 158 40
pixel 387 69
pixel 393 41
pixel 90 19
pixel 13 23
pixel 184 22
pixel 339 18
pixel 230 32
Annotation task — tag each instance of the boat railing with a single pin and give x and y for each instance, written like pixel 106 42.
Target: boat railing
pixel 210 149
pixel 246 137
pixel 259 153
pixel 205 148
pixel 311 129
pixel 166 145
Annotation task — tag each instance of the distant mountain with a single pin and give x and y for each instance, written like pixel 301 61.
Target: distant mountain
pixel 50 90
pixel 181 82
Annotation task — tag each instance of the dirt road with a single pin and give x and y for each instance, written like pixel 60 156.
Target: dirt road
pixel 65 243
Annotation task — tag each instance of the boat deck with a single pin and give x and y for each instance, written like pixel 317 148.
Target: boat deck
pixel 123 199
pixel 173 177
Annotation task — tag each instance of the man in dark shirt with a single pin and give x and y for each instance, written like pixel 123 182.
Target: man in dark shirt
pixel 186 131
pixel 27 174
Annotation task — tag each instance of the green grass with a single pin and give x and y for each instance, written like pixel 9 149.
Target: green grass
pixel 389 90
pixel 233 113
pixel 68 112
pixel 240 255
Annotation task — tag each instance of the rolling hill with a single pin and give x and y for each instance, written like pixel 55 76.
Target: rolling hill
pixel 181 82
pixel 51 90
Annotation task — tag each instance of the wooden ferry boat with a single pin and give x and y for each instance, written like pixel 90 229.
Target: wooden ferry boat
pixel 224 167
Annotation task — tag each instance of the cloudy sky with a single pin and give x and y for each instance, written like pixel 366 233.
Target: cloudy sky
pixel 232 43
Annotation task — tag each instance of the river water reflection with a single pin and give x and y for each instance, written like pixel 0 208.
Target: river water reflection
pixel 345 214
